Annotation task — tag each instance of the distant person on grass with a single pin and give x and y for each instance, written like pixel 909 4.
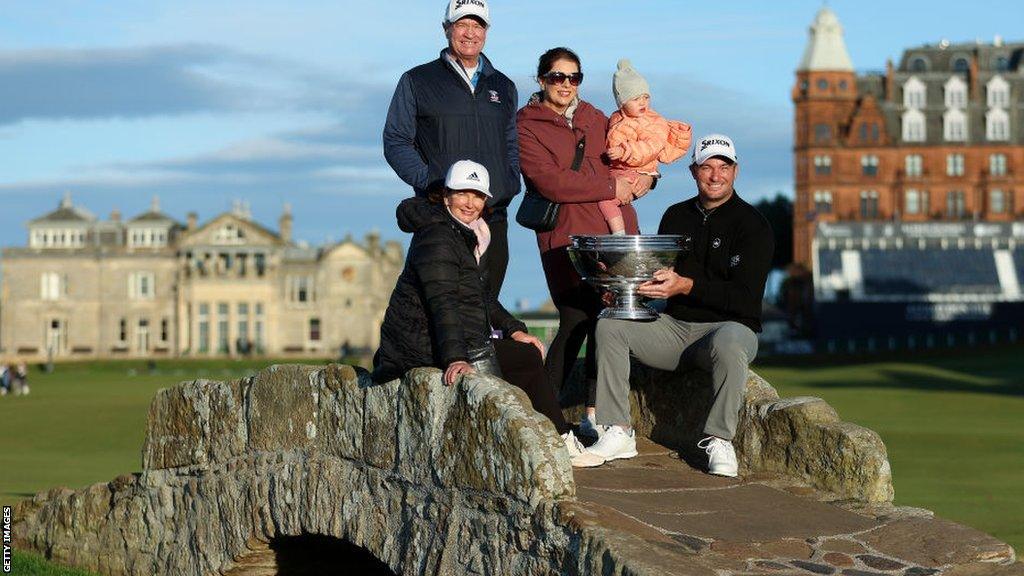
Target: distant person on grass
pixel 714 309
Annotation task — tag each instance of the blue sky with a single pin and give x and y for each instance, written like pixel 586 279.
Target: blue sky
pixel 206 102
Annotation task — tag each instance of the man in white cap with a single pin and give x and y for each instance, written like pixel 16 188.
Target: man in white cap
pixel 714 295
pixel 456 106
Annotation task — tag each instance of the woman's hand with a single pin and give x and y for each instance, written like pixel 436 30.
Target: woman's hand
pixel 624 190
pixel 456 369
pixel 642 185
pixel 520 336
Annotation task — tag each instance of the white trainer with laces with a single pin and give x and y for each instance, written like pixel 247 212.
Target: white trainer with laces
pixel 579 456
pixel 615 443
pixel 721 456
pixel 589 428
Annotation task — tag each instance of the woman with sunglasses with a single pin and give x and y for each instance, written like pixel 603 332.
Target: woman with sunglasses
pixel 562 157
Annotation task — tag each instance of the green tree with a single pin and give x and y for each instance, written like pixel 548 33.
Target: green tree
pixel 779 213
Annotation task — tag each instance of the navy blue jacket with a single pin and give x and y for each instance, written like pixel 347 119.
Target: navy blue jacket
pixel 435 120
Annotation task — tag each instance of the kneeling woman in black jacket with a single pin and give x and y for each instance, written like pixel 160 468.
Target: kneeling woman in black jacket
pixel 442 313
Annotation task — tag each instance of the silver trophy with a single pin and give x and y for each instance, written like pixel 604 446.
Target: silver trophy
pixel 619 264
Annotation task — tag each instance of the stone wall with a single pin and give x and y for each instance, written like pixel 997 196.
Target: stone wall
pixel 802 438
pixel 426 478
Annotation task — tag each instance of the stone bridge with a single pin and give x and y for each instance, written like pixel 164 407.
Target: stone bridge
pixel 302 470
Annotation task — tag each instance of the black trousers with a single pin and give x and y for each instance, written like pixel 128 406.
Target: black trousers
pixel 577 320
pixel 522 366
pixel 497 255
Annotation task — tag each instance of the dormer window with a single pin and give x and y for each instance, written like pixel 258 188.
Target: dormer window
pixel 997 93
pixel 56 238
pixel 147 237
pixel 915 93
pixel 960 64
pixel 919 64
pixel 956 93
pixel 229 234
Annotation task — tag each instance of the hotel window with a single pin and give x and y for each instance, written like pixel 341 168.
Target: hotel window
pixel 52 286
pixel 916 202
pixel 955 165
pixel 223 334
pixel 919 64
pixel 165 330
pixel 140 286
pixel 822 133
pixel 997 125
pixel 997 93
pixel 997 164
pixel 868 204
pixel 914 93
pixel 204 327
pixel 314 329
pixel 257 326
pixel 823 201
pixel 956 93
pixel 960 64
pixel 914 165
pixel 301 289
pixel 955 204
pixel 996 201
pixel 122 330
pixel 869 165
pixel 822 165
pixel 914 127
pixel 954 125
pixel 242 320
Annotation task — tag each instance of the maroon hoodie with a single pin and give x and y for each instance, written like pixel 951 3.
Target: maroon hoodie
pixel 547 146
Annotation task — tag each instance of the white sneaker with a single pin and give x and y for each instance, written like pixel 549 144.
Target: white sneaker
pixel 578 454
pixel 590 428
pixel 721 456
pixel 615 443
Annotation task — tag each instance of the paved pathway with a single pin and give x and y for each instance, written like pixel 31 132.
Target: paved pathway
pixel 682 521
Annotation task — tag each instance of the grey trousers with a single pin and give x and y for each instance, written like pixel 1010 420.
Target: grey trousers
pixel 723 348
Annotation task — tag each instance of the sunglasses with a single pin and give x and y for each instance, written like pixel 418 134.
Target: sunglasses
pixel 555 78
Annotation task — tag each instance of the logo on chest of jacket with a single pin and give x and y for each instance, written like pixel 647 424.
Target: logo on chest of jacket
pixel 494 96
pixel 734 261
pixel 716 242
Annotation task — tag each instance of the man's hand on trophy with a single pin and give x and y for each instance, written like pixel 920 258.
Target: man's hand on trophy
pixel 666 283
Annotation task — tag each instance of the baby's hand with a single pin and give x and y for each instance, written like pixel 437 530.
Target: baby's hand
pixel 616 153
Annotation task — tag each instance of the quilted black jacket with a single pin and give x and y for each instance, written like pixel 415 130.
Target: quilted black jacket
pixel 441 307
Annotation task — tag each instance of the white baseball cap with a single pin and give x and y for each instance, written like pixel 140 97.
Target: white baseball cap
pixel 459 9
pixel 714 145
pixel 468 175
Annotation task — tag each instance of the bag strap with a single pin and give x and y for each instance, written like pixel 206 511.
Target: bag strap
pixel 577 160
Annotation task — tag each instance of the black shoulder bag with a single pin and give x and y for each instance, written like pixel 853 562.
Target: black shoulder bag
pixel 537 212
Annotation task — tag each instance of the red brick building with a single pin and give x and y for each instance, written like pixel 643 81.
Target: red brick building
pixel 938 138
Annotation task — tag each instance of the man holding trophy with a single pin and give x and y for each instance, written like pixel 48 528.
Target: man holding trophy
pixel 714 295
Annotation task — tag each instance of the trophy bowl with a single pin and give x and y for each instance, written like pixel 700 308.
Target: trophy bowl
pixel 619 264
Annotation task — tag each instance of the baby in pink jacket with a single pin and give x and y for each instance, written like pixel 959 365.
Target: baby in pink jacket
pixel 638 137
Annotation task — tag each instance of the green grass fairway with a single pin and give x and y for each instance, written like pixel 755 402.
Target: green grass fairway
pixel 953 424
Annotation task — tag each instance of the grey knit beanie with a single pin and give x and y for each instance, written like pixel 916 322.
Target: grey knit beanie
pixel 627 83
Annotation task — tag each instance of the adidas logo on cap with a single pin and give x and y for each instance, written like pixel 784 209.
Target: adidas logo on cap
pixel 468 175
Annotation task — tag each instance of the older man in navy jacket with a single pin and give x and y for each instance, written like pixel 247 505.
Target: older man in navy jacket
pixel 459 106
